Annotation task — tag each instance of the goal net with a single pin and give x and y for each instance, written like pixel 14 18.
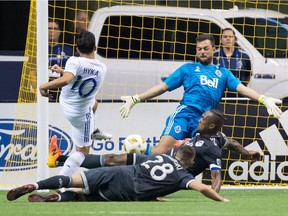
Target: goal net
pixel 140 50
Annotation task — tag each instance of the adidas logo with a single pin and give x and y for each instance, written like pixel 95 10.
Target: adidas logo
pixel 276 147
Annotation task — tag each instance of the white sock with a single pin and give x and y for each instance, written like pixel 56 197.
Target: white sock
pixel 72 163
pixel 94 118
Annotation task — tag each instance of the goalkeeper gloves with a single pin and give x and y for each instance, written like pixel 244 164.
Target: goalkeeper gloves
pixel 270 104
pixel 130 101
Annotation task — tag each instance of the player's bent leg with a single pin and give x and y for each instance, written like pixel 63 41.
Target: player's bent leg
pixel 20 191
pixel 44 197
pixel 166 143
pixel 54 152
pixel 115 159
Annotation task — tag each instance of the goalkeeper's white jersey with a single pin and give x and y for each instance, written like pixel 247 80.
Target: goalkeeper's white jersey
pixel 88 78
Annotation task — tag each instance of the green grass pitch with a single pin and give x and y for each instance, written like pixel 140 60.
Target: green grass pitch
pixel 242 203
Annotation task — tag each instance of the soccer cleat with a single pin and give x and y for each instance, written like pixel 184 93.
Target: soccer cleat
pixel 54 152
pixel 99 135
pixel 20 191
pixel 43 197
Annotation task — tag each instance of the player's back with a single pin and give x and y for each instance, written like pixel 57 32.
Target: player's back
pixel 159 176
pixel 88 77
pixel 208 152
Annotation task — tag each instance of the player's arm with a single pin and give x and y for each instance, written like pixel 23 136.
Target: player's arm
pixel 235 146
pixel 216 180
pixel 206 191
pixel 268 102
pixel 130 101
pixel 56 68
pixel 56 83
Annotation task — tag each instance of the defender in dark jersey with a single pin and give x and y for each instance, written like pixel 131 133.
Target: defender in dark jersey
pixel 208 144
pixel 156 176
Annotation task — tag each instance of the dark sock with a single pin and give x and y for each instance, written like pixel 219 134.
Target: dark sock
pixel 92 161
pixel 130 159
pixel 54 182
pixel 61 160
pixel 68 196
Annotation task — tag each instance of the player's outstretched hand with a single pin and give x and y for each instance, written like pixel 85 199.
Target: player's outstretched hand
pixel 255 156
pixel 130 101
pixel 270 104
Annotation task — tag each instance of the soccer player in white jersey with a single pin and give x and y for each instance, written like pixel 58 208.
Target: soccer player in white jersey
pixel 204 84
pixel 80 82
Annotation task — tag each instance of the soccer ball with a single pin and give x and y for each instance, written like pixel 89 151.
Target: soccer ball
pixel 134 144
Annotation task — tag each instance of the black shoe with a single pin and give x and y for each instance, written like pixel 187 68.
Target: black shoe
pixel 43 197
pixel 20 191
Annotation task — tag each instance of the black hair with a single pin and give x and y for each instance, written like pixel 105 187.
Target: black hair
pixel 219 118
pixel 228 29
pixel 55 21
pixel 86 42
pixel 204 37
pixel 187 151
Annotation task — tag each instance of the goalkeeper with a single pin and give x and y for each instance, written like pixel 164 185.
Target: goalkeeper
pixel 204 84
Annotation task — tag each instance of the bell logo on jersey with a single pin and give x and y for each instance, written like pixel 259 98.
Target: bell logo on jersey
pixel 205 81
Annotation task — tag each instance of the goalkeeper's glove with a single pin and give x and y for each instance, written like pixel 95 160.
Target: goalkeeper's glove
pixel 270 104
pixel 130 101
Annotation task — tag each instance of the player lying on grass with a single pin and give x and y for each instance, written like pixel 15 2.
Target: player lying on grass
pixel 208 144
pixel 157 176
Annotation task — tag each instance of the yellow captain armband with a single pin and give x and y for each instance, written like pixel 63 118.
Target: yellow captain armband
pixel 136 98
pixel 261 99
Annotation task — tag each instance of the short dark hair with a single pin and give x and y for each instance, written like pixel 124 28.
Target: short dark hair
pixel 218 118
pixel 86 42
pixel 204 37
pixel 187 151
pixel 55 21
pixel 228 29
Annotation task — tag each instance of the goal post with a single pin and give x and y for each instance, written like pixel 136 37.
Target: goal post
pixel 42 103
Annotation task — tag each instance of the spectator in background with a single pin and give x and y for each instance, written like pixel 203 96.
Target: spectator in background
pixel 58 53
pixel 233 58
pixel 82 21
pixel 81 24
